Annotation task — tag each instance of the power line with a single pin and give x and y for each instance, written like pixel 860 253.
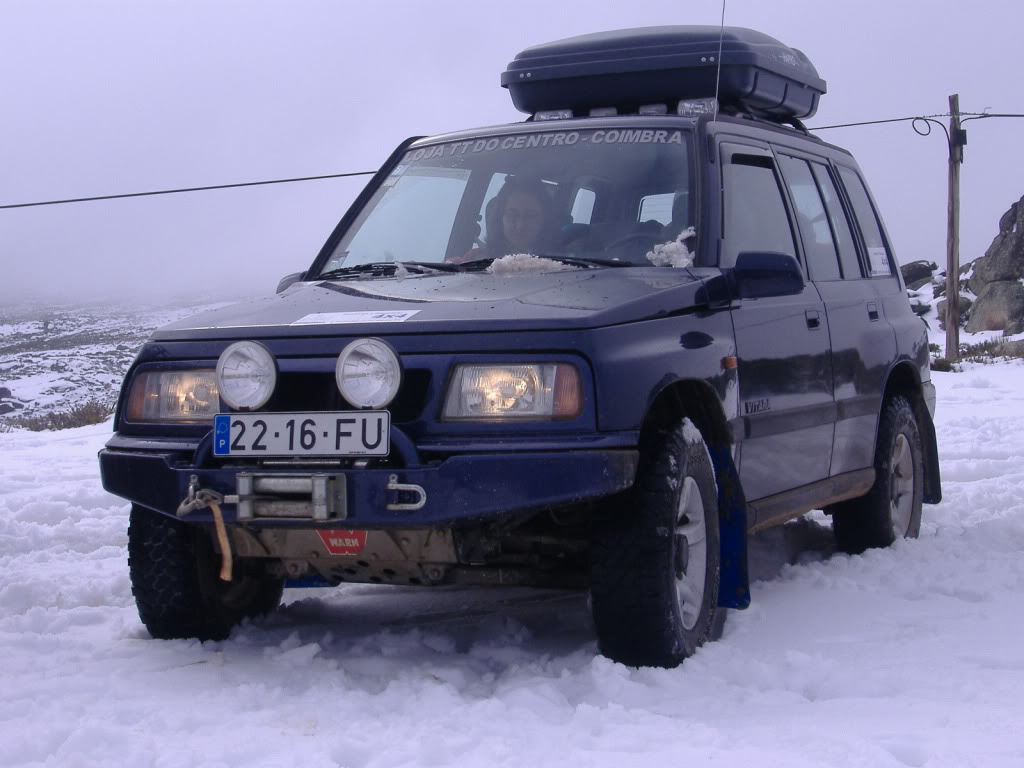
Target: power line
pixel 972 116
pixel 913 118
pixel 186 189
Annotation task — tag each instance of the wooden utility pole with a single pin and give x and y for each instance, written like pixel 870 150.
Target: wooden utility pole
pixel 957 140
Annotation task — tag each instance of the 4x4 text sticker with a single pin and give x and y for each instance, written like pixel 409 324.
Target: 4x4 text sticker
pixel 342 318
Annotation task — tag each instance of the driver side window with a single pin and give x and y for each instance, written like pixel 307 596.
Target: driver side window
pixel 755 216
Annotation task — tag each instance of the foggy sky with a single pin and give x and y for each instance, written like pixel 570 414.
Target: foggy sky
pixel 109 97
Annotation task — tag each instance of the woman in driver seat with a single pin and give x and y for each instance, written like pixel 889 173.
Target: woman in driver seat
pixel 519 220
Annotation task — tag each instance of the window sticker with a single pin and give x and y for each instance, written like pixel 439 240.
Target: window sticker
pixel 343 318
pixel 555 139
pixel 879 260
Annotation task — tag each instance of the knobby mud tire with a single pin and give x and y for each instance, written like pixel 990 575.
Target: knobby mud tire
pixel 867 522
pixel 634 599
pixel 174 573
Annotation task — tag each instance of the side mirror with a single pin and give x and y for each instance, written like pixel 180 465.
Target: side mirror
pixel 760 274
pixel 289 280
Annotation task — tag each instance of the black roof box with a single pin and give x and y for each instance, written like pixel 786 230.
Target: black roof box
pixel 657 65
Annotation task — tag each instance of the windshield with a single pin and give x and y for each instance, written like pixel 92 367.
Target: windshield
pixel 620 196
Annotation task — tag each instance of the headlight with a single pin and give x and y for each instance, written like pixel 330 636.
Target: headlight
pixel 173 396
pixel 246 375
pixel 368 373
pixel 528 391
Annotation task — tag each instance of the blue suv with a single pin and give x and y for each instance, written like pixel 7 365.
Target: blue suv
pixel 592 350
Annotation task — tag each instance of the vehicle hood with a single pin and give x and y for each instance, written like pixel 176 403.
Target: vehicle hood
pixel 453 302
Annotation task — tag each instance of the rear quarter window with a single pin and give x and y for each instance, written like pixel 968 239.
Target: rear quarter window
pixel 879 257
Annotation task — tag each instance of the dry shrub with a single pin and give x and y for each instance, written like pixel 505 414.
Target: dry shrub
pixel 89 412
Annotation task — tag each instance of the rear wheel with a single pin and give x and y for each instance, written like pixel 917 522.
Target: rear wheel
pixel 891 510
pixel 655 562
pixel 175 579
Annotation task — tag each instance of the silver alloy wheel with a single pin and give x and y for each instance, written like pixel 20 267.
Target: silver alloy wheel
pixel 901 485
pixel 692 542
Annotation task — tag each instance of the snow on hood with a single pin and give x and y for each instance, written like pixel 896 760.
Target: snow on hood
pixel 524 263
pixel 674 253
pixel 487 301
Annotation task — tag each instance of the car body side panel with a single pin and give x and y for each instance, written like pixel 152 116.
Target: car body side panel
pixel 638 360
pixel 863 347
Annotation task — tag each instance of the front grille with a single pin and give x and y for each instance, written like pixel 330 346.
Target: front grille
pixel 299 391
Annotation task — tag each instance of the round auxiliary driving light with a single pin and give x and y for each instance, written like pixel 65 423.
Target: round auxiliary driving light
pixel 368 373
pixel 246 375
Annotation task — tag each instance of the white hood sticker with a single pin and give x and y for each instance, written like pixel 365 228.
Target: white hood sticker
pixel 342 318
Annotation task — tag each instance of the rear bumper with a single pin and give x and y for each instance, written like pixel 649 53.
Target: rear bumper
pixel 461 488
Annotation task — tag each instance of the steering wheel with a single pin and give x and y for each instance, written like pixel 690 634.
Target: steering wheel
pixel 633 237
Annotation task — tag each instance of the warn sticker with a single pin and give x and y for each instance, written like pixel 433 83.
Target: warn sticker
pixel 343 542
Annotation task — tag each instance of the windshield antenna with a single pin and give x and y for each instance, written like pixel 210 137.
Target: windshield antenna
pixel 718 74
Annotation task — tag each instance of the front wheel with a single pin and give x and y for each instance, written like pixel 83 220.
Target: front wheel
pixel 655 561
pixel 891 510
pixel 174 572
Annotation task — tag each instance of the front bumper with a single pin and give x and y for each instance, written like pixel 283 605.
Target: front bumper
pixel 459 488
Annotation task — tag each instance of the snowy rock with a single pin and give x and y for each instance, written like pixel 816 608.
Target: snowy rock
pixel 966 272
pixel 917 273
pixel 965 308
pixel 920 307
pixel 999 307
pixel 1004 259
pixel 8 403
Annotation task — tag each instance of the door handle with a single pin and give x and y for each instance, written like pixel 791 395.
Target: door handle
pixel 813 319
pixel 872 312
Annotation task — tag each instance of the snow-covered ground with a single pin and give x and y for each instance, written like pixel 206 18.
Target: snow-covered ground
pixel 54 357
pixel 911 656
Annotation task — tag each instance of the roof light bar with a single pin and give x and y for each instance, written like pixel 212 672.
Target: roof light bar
pixel 553 114
pixel 697 107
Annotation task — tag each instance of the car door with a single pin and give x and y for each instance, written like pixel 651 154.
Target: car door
pixel 782 342
pixel 869 344
pixel 862 341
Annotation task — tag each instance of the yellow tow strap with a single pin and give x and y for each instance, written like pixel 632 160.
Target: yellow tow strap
pixel 225 545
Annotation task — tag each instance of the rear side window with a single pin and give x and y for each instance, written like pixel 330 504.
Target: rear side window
pixel 755 216
pixel 879 258
pixel 583 206
pixel 656 208
pixel 815 229
pixel 840 224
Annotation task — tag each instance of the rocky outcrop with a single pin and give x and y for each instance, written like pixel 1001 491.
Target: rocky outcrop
pixel 8 403
pixel 917 273
pixel 940 280
pixel 996 278
pixel 1000 307
pixel 1004 259
pixel 965 308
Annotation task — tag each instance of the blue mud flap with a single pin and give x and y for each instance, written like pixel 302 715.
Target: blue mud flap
pixel 734 584
pixel 307 583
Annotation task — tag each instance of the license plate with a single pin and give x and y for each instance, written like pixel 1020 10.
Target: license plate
pixel 345 433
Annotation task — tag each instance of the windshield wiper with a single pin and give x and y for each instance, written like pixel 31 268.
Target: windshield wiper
pixel 440 266
pixel 389 268
pixel 579 261
pixel 586 260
